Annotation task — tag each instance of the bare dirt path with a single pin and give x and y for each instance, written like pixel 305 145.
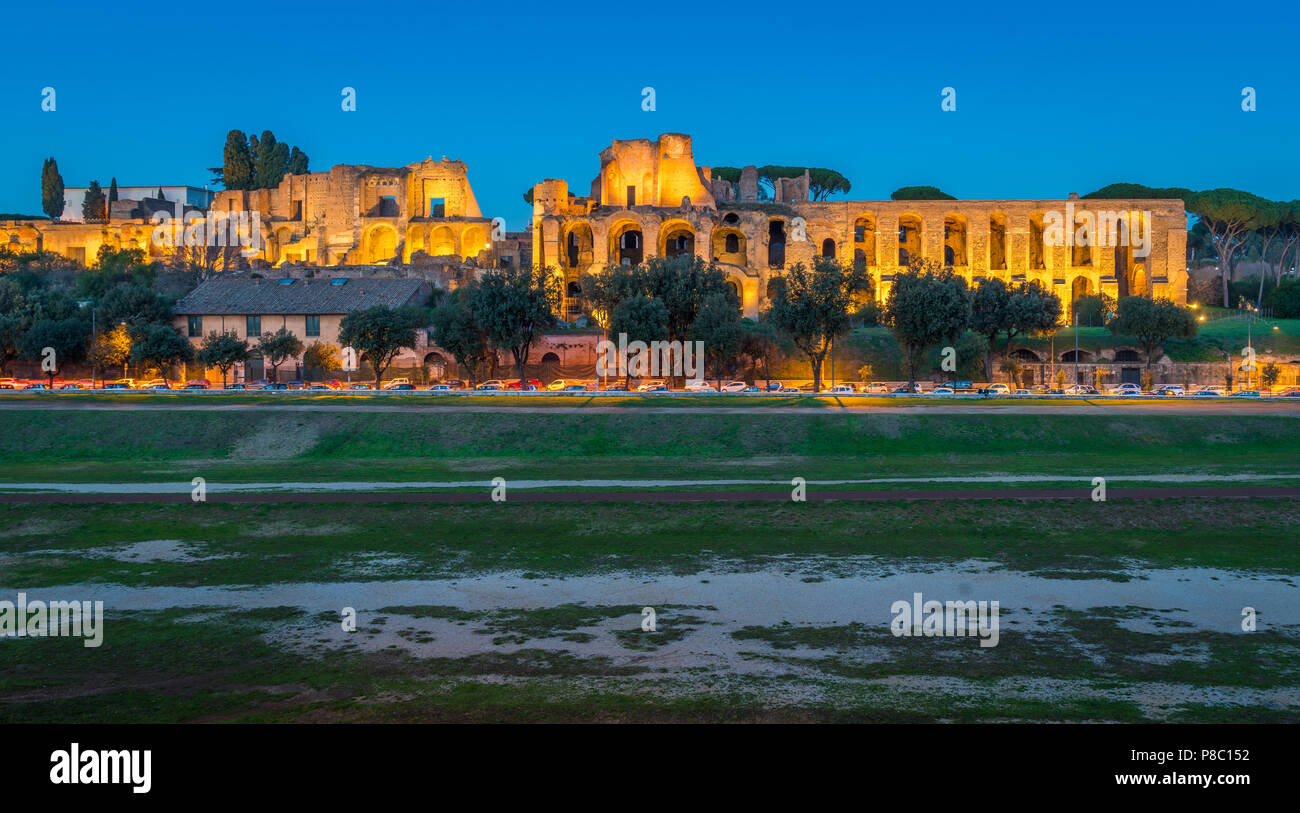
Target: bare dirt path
pixel 485 495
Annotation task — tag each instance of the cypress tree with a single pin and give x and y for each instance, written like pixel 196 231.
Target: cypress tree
pixel 51 189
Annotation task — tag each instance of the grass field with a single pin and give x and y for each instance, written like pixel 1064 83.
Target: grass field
pixel 267 445
pixel 1115 611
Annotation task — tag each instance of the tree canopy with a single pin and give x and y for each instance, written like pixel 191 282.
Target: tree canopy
pixel 919 193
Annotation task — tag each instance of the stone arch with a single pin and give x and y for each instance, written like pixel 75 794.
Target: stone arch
pixel 1081 356
pixel 1127 354
pixel 776 238
pixel 998 241
pixel 626 243
pixel 414 239
pixel 436 364
pixel 381 244
pixel 729 246
pixel 1025 355
pixel 1037 243
pixel 954 241
pixel 442 242
pixel 283 237
pixel 909 237
pixel 828 248
pixel 579 246
pixel 1080 287
pixel 676 237
pixel 864 239
pixel 472 241
pixel 1081 244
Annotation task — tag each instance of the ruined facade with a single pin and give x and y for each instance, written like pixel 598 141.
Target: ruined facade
pixel 651 199
pixel 364 215
pixel 353 215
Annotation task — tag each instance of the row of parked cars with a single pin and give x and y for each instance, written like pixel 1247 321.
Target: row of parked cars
pixel 656 385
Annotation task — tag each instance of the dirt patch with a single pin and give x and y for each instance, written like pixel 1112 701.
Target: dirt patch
pixel 282 437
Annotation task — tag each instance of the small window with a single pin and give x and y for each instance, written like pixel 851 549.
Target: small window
pixel 254 326
pixel 859 233
pixel 732 244
pixel 313 325
pixel 196 326
pixel 437 207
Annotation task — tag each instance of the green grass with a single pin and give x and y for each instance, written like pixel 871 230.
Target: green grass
pixel 269 543
pixel 269 446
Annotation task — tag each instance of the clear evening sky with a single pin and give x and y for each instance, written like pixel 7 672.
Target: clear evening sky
pixel 1051 97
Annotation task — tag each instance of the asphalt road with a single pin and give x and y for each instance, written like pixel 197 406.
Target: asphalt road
pixel 1190 406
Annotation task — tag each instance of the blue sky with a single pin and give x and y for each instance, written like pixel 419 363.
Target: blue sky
pixel 1051 98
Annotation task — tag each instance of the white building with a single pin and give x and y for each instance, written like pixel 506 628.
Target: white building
pixel 191 196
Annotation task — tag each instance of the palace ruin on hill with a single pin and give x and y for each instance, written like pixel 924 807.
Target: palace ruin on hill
pixel 651 199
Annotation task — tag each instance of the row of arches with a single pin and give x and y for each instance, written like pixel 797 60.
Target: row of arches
pixel 1122 356
pixel 380 242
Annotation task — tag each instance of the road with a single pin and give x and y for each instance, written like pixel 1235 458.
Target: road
pixel 1287 407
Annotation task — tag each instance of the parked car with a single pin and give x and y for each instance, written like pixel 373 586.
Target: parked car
pixel 995 389
pixel 841 389
pixel 1082 389
pixel 455 383
pixel 11 384
pixel 651 386
pixel 942 391
pixel 575 388
pixel 752 389
pixel 1055 391
pixel 700 386
pixel 528 385
pixel 319 387
pixel 439 388
pixel 156 384
pixel 1168 389
pixel 1289 392
pixel 615 388
pixel 72 385
pixel 273 386
pixel 36 385
pixel 359 386
pixel 197 384
pixel 257 383
pixel 489 386
pixel 236 387
pixel 1208 392
pixel 392 382
pixel 1245 394
pixel 1126 389
pixel 333 384
pixel 399 387
pixel 734 386
pixel 558 384
pixel 790 390
pixel 1021 393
